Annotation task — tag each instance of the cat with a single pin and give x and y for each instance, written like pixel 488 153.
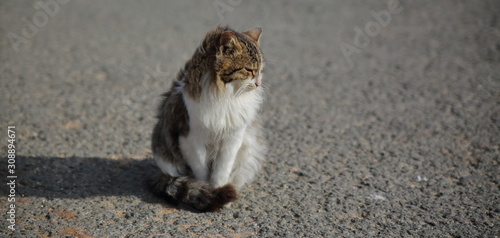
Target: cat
pixel 208 140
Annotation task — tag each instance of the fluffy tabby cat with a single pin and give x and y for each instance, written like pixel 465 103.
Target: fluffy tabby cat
pixel 208 140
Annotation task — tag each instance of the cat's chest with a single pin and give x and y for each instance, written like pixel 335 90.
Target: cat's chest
pixel 223 114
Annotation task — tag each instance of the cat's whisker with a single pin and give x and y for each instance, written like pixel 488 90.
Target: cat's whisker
pixel 240 90
pixel 265 89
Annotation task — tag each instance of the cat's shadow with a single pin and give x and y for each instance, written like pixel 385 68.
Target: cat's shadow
pixel 76 178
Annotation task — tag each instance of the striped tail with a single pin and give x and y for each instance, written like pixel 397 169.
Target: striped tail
pixel 197 194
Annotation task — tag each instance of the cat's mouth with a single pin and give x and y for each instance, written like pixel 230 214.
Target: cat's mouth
pixel 242 86
pixel 255 83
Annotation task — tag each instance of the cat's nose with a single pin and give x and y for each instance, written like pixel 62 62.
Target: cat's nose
pixel 258 82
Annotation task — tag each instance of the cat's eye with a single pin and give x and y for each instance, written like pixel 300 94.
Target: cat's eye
pixel 232 72
pixel 251 71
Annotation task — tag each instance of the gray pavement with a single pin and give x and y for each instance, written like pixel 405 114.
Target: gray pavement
pixel 382 119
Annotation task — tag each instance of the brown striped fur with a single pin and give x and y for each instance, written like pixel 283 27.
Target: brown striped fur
pixel 226 55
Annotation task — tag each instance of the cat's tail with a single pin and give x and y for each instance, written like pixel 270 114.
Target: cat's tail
pixel 197 194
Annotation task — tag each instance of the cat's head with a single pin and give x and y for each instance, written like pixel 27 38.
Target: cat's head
pixel 239 61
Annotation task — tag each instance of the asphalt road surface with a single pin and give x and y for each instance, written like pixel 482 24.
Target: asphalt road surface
pixel 382 117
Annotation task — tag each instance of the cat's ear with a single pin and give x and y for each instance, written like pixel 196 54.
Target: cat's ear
pixel 227 43
pixel 254 33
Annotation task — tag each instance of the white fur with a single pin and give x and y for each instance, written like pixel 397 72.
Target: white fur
pixel 249 158
pixel 166 167
pixel 220 135
pixel 227 111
